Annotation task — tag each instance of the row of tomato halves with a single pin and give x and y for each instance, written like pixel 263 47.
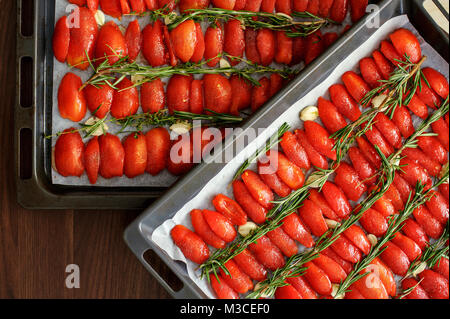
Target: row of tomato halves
pixel 183 93
pixel 312 146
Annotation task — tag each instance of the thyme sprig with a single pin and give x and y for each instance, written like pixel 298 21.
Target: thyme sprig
pixel 105 73
pixel 161 118
pixel 308 24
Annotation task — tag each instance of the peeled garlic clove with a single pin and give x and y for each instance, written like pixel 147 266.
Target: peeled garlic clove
pixel 309 113
pixel 136 78
pixel 170 18
pixel 332 223
pixel 223 63
pixel 378 100
pixel 335 291
pixel 372 239
pixel 181 128
pixel 247 228
pixel 99 17
pixel 314 180
pixel 101 129
pixel 420 269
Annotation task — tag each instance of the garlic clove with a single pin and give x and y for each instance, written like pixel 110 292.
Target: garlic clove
pixel 181 128
pixel 309 113
pixel 332 224
pixel 372 239
pixel 101 129
pixel 247 228
pixel 99 17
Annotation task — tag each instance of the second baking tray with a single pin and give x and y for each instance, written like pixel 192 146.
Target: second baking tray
pixel 138 235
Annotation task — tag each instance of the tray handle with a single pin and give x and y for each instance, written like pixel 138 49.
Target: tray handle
pixel 139 245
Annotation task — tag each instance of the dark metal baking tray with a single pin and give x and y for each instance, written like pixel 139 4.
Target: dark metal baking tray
pixel 138 234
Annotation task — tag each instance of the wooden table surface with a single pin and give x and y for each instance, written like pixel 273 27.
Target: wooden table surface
pixel 36 246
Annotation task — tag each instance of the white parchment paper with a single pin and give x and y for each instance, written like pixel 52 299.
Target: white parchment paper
pixel 220 184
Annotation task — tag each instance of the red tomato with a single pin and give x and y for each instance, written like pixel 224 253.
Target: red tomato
pixel 193 4
pixel 135 147
pixel 417 293
pixel 407 44
pixel 251 49
pixel 437 81
pixel 99 99
pixel 82 40
pixel 357 87
pixel 395 259
pixel 158 148
pixel 331 268
pixel 254 210
pixel 358 9
pixel 316 159
pixel 61 39
pixel 260 94
pixel 71 101
pixel 294 151
pixel 402 119
pixel 133 39
pixel 190 244
pixel 312 216
pixel 214 42
pixel 284 44
pixel 386 276
pixel 153 47
pixel 287 292
pixel 69 153
pixel 266 44
pixel 285 243
pixel 374 222
pixel 414 231
pixel 283 6
pixel 178 93
pixel 126 100
pixel 339 10
pixel 269 176
pixel 336 199
pixel 318 279
pixel 202 229
pixel 110 45
pixel 234 40
pixel 434 284
pixel 330 116
pixel 220 225
pixel 370 72
pixel 346 250
pixel 248 263
pixel 218 92
pixel 320 201
pixel 229 208
pixel 112 156
pixel 357 236
pixel 346 105
pixel 184 40
pixel 221 288
pixel 153 98
pixel 287 171
pixel 236 279
pixel 365 170
pixel 92 160
pixel 293 226
pixel 267 253
pixel 408 246
pixel 386 68
pixel 348 180
pixel 199 50
pixel 320 139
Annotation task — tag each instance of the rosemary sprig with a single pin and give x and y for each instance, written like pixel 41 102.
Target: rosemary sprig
pixel 404 79
pixel 294 266
pixel 308 24
pixel 271 143
pixel 106 73
pixel 162 118
pixel 421 196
